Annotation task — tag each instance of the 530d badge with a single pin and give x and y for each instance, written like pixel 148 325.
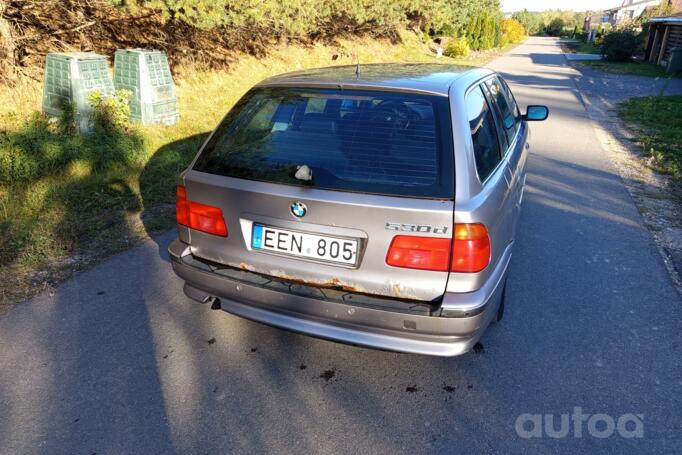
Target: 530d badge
pixel 423 228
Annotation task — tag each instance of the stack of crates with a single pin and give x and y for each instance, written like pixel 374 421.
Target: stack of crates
pixel 71 78
pixel 147 75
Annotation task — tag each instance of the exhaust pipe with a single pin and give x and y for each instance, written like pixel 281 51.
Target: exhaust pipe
pixel 215 302
pixel 201 296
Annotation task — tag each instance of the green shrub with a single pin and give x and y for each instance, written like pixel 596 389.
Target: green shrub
pixel 556 27
pixel 504 40
pixel 619 45
pixel 110 114
pixel 483 31
pixel 67 121
pixel 603 29
pixel 448 30
pixel 40 148
pixel 299 17
pixel 457 47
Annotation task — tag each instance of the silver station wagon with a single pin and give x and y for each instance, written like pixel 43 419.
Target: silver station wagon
pixel 374 205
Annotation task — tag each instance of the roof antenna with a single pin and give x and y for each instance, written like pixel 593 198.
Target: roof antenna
pixel 357 63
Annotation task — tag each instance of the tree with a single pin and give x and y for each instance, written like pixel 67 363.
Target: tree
pixel 529 21
pixel 555 27
pixel 665 8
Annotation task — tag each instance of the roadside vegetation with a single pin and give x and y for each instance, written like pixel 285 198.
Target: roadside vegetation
pixel 69 199
pixel 550 22
pixel 583 47
pixel 659 131
pixel 622 48
pixel 618 48
pixel 634 68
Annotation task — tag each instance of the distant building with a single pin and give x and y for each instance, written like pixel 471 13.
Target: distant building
pixel 628 11
pixel 593 19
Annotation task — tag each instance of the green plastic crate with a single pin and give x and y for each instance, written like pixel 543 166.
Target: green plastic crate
pixel 147 75
pixel 71 78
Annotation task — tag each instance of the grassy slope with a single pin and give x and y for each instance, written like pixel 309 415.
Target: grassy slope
pixel 659 130
pixel 78 214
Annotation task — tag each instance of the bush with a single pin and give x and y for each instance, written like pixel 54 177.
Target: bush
pixel 619 45
pixel 301 17
pixel 603 30
pixel 513 30
pixel 457 47
pixel 556 27
pixel 504 41
pixel 483 31
pixel 41 147
pixel 110 114
pixel 66 123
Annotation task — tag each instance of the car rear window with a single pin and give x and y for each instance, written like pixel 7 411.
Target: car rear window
pixel 398 144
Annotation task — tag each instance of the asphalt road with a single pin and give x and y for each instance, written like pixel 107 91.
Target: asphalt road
pixel 119 361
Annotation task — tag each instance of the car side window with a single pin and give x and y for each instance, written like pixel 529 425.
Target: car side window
pixel 483 133
pixel 503 109
pixel 512 103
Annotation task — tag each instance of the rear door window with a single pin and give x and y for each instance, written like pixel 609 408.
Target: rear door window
pixel 391 143
pixel 512 103
pixel 483 133
pixel 503 108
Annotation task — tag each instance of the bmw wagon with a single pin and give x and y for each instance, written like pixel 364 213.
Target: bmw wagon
pixel 374 205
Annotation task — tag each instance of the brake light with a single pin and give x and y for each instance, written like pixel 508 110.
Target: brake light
pixel 201 217
pixel 470 248
pixel 181 206
pixel 424 253
pixel 467 252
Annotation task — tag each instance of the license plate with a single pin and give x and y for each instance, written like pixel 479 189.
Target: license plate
pixel 319 247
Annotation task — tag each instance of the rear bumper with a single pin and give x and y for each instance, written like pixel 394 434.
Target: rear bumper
pixel 451 332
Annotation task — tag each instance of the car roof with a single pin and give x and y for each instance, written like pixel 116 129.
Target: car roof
pixel 431 78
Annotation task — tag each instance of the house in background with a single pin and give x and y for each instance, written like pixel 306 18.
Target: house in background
pixel 594 19
pixel 629 11
pixel 665 33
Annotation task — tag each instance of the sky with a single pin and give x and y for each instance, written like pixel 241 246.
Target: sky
pixel 541 5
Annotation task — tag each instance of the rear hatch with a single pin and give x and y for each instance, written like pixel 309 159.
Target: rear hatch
pixel 314 185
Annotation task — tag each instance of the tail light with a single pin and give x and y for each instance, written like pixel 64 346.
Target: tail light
pixel 201 217
pixel 181 206
pixel 467 252
pixel 470 248
pixel 423 253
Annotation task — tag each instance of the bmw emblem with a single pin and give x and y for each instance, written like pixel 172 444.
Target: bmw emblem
pixel 298 209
